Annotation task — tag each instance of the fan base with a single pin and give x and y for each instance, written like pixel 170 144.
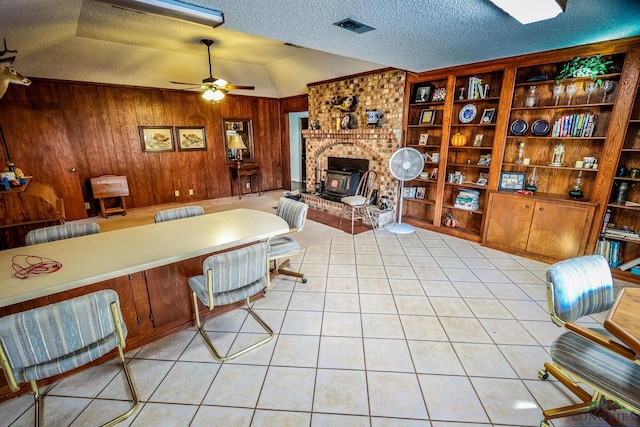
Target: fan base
pixel 401 228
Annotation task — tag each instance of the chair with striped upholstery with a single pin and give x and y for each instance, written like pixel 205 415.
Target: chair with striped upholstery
pixel 56 338
pixel 178 213
pixel 579 287
pixel 59 232
pixel 228 278
pixel 295 213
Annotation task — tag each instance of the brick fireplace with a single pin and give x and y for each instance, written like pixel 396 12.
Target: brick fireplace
pixel 383 91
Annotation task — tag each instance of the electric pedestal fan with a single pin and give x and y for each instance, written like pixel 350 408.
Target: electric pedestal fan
pixel 405 165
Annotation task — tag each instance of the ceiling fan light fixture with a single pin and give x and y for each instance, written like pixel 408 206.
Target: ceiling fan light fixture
pixel 528 11
pixel 220 82
pixel 174 9
pixel 214 95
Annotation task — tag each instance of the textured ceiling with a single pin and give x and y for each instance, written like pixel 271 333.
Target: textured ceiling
pixel 87 40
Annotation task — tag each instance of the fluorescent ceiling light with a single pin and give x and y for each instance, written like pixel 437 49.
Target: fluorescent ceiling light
pixel 174 9
pixel 528 11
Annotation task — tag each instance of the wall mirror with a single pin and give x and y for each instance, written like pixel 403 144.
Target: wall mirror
pixel 238 140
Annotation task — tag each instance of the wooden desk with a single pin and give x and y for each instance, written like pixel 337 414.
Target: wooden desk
pixel 25 208
pixel 623 320
pixel 251 171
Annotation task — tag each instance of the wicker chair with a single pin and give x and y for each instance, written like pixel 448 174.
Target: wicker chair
pixel 359 203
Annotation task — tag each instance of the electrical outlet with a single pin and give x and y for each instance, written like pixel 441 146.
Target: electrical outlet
pixel 87 205
pixel 191 191
pixel 248 185
pixel 177 193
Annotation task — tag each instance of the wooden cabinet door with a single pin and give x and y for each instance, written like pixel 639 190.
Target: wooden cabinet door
pixel 508 220
pixel 559 230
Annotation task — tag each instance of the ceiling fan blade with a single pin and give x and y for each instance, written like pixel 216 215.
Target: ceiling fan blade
pixel 234 87
pixel 183 83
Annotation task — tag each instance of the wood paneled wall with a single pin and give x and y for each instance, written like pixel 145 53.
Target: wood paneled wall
pixel 64 133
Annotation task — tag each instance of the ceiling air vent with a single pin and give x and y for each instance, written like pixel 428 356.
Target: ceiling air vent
pixel 353 25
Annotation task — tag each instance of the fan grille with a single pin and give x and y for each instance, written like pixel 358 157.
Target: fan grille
pixel 406 164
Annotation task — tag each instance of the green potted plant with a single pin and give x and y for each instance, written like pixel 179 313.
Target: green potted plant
pixel 591 66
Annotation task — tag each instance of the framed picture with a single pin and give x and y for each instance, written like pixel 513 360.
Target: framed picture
pixel 191 138
pixel 439 94
pixel 487 115
pixel 409 192
pixel 477 141
pixel 423 93
pixel 156 139
pixel 427 117
pixel 424 137
pixel 511 181
pixel 421 192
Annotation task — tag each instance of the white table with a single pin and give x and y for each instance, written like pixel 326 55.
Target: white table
pixel 91 259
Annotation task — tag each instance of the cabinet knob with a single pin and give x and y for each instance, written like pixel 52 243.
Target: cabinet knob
pixel 527 206
pixel 541 209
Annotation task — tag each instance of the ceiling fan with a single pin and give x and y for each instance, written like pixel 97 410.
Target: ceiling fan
pixel 215 89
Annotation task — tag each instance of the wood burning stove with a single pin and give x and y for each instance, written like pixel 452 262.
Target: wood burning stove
pixel 343 176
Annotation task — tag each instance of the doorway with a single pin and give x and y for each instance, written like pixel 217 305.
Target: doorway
pixel 297 150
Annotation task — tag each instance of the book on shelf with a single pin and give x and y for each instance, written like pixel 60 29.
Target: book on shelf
pixel 627 265
pixel 574 125
pixel 467 199
pixel 612 251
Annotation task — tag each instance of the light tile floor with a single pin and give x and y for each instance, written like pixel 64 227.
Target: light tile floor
pixel 390 330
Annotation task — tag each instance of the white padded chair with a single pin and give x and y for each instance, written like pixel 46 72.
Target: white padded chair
pixel 59 232
pixel 579 287
pixel 359 203
pixel 178 213
pixel 228 278
pixel 56 338
pixel 295 213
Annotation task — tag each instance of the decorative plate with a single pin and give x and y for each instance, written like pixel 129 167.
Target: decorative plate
pixel 345 123
pixel 468 113
pixel 540 127
pixel 519 127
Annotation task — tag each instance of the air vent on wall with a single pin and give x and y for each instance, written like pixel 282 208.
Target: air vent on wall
pixel 353 25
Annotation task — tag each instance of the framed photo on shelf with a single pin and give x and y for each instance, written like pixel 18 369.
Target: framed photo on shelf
pixel 421 192
pixel 511 181
pixel 439 94
pixel 409 192
pixel 427 116
pixel 487 115
pixel 156 139
pixel 191 138
pixel 477 140
pixel 424 137
pixel 423 93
